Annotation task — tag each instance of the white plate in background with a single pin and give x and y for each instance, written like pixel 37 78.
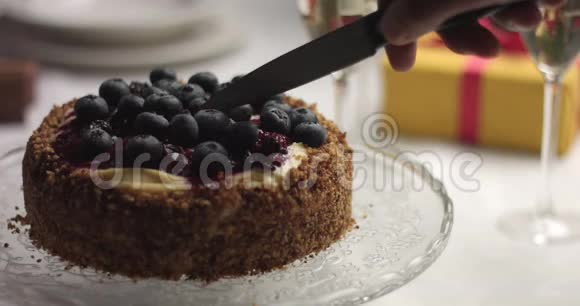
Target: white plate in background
pixel 209 39
pixel 109 21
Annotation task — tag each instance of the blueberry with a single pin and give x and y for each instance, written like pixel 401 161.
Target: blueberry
pixel 242 113
pixel 151 103
pixel 130 106
pixel 278 104
pixel 91 107
pixel 207 80
pixel 183 130
pixel 169 106
pixel 113 90
pixel 242 135
pixel 163 104
pixel 311 134
pixel 214 155
pixel 95 141
pixel 169 86
pixel 152 90
pixel 212 123
pixel 275 120
pixel 194 106
pixel 188 92
pixel 150 123
pixel 302 115
pixel 158 74
pixel 144 144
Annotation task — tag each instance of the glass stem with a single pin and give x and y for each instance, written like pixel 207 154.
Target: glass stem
pixel 550 141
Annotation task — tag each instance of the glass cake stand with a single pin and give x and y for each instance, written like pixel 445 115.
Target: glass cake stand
pixel 403 215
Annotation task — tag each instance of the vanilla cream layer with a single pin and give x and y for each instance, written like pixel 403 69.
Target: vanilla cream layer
pixel 159 181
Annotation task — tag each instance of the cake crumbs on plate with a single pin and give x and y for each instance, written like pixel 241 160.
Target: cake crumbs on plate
pixel 16 223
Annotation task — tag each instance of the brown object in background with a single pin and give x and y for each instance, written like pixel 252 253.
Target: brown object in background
pixel 17 79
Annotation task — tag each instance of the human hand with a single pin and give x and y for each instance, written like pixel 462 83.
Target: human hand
pixel 405 21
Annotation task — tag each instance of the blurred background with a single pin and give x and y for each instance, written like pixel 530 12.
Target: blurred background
pixel 52 51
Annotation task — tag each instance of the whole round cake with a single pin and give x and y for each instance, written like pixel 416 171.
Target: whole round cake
pixel 143 181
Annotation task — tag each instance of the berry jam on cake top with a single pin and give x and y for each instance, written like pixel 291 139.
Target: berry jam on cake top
pixel 166 118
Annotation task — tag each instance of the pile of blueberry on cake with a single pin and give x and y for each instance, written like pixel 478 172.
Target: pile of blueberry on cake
pixel 144 181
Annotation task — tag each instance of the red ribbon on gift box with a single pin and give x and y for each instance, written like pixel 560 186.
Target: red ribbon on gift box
pixel 470 99
pixel 470 96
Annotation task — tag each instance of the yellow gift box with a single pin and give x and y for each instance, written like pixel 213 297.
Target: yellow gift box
pixel 496 102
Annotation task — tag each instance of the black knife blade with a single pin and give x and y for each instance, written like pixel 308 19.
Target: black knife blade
pixel 336 50
pixel 304 64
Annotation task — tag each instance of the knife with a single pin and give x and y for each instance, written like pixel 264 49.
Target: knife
pixel 334 51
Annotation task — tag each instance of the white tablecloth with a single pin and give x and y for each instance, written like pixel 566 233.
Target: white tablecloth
pixel 480 266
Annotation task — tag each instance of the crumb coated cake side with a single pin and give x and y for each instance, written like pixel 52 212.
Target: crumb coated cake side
pixel 201 233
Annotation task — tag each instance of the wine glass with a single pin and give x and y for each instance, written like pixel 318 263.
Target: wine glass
pixel 323 16
pixel 553 46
